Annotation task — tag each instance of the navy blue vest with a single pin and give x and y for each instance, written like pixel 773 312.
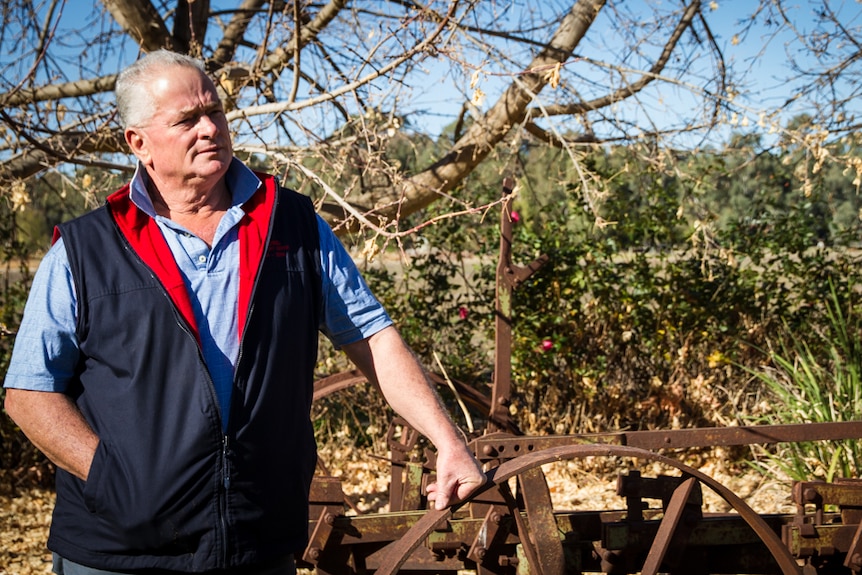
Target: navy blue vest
pixel 167 489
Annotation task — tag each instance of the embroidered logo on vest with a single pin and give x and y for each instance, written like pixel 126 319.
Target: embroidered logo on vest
pixel 277 249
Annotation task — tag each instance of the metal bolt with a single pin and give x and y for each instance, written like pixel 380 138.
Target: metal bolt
pixel 811 495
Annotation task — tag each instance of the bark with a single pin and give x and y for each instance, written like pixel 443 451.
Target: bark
pixel 190 25
pixel 630 89
pixel 509 111
pixel 57 91
pixel 235 31
pixel 66 146
pixel 141 21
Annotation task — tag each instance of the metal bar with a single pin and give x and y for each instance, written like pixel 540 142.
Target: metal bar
pixel 501 446
pixel 544 534
pixel 503 318
pixel 667 527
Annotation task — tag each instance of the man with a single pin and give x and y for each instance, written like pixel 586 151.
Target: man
pixel 165 359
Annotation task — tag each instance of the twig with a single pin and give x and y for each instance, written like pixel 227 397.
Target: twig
pixel 455 391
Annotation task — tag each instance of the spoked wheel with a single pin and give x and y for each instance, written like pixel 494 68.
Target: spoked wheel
pixel 538 532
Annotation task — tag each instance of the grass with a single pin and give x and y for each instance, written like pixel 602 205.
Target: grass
pixel 815 377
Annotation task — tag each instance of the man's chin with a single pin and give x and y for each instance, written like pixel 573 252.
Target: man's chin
pixel 216 165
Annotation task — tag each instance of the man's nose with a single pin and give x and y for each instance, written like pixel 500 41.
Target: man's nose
pixel 207 126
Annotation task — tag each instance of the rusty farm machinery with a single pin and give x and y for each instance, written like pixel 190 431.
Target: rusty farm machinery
pixel 511 526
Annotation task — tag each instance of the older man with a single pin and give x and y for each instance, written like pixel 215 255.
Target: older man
pixel 166 355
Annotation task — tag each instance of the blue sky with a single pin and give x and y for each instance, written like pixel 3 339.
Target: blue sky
pixel 439 95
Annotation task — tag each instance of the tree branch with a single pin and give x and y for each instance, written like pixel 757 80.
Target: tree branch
pixel 235 31
pixel 75 89
pixel 630 89
pixel 142 22
pixel 509 111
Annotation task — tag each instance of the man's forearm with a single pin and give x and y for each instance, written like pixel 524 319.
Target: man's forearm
pixel 55 425
pixel 387 361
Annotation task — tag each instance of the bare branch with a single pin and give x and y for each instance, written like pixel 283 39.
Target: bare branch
pixel 190 25
pixel 58 91
pixel 634 87
pixel 235 31
pixel 143 23
pixel 509 111
pixel 280 57
pixel 279 107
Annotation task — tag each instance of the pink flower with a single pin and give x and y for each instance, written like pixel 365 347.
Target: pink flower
pixel 516 217
pixel 547 345
pixel 462 312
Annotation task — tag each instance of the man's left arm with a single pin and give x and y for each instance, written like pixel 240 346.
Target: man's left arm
pixel 387 362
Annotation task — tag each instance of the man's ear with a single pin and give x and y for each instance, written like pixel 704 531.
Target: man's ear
pixel 137 143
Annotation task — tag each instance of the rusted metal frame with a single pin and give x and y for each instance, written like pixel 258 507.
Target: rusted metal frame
pixel 824 540
pixel 817 535
pixel 503 447
pixel 843 493
pixel 362 540
pixel 543 535
pixel 713 530
pixel 509 277
pixel 486 548
pixel 853 559
pixel 674 511
pixel 326 503
pixel 337 382
pixel 396 553
pixel 529 550
pixel 404 486
pixel 635 488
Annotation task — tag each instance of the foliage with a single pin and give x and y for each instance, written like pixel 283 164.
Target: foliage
pixel 811 379
pixel 656 300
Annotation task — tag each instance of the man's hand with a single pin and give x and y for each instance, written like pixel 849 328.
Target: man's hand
pixel 53 423
pixel 458 476
pixel 387 362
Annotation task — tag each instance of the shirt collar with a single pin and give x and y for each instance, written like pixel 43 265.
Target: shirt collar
pixel 241 181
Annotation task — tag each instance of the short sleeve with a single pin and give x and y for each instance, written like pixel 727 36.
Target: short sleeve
pixel 350 311
pixel 46 346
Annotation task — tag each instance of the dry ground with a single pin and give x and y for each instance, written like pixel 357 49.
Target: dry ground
pixel 25 516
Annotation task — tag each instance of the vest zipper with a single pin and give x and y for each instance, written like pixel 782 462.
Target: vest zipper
pixel 225 464
pixel 256 281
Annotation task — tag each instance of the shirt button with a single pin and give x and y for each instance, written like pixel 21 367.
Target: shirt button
pixel 202 259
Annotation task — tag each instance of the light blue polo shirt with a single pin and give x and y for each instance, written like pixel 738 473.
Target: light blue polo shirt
pixel 46 347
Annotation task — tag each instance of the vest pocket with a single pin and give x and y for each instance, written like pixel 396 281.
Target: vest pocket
pixel 92 487
pixel 113 496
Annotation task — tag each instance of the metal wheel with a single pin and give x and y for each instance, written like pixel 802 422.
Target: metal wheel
pixel 471 396
pixel 538 534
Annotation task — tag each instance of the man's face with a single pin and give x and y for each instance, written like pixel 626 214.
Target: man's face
pixel 186 141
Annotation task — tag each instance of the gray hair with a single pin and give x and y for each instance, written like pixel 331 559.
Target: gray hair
pixel 134 100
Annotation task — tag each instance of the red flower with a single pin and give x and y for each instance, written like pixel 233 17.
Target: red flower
pixel 462 312
pixel 547 345
pixel 516 217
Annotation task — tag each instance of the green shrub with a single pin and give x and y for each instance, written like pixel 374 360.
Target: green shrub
pixel 815 377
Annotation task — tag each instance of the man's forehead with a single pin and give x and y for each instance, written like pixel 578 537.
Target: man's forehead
pixel 185 92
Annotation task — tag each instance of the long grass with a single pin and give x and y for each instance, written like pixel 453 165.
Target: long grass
pixel 815 377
